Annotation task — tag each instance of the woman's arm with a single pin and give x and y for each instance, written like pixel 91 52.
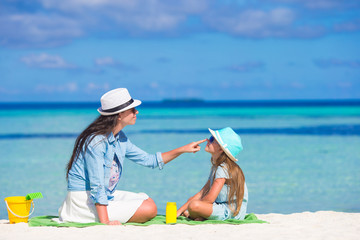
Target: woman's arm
pixel 197 196
pixel 103 215
pixel 191 147
pixel 141 157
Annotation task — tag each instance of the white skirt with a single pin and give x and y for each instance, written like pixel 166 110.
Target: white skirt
pixel 78 207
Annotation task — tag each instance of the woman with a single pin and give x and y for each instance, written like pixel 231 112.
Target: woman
pixel 95 167
pixel 225 195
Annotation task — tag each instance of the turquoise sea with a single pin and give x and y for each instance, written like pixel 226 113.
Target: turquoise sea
pixel 298 156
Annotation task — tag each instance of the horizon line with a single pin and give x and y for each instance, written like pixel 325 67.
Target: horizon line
pixel 190 103
pixel 171 100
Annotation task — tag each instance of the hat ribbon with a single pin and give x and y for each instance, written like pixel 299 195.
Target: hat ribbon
pixel 124 105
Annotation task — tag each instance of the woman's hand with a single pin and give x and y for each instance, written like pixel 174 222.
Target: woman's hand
pixel 103 215
pixel 113 223
pixel 193 147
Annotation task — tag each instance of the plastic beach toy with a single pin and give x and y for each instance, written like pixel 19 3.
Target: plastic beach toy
pixel 19 207
pixel 34 196
pixel 171 213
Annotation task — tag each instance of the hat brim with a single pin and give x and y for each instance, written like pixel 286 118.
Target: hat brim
pixel 224 149
pixel 134 104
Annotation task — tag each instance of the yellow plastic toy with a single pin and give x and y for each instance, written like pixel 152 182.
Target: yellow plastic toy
pixel 19 207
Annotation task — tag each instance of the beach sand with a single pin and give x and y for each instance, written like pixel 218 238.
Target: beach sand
pixel 306 225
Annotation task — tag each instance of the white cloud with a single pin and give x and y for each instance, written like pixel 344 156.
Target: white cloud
pixel 9 91
pixel 254 23
pixel 349 26
pixel 44 60
pixel 72 87
pixel 144 6
pixel 281 16
pixel 38 29
pixel 83 5
pixel 297 85
pixel 95 87
pixel 111 62
pixel 105 61
pixel 331 63
pixel 55 23
pixel 246 67
pixel 48 88
pixel 154 85
pixel 52 23
pixel 345 84
pixel 153 22
pixel 321 4
pixel 133 15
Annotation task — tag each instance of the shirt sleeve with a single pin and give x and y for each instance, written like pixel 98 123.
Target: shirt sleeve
pixel 143 158
pixel 94 163
pixel 221 172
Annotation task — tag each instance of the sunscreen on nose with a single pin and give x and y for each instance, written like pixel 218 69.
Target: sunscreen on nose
pixel 171 213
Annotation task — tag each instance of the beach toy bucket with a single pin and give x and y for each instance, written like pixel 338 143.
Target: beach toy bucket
pixel 19 209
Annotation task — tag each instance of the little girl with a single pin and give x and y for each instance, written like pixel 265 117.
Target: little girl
pixel 225 195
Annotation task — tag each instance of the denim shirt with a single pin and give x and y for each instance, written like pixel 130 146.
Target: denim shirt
pixel 91 170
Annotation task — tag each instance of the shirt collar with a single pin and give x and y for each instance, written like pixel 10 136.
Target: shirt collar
pixel 112 138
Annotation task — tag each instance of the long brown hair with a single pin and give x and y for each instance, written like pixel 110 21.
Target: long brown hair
pixel 103 125
pixel 235 182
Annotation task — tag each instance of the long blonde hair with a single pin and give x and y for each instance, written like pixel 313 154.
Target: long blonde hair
pixel 235 182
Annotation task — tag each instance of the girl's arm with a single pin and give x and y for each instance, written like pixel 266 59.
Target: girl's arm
pixel 214 191
pixel 191 147
pixel 197 196
pixel 103 215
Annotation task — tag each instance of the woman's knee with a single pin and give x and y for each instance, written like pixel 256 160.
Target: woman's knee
pixel 150 208
pixel 145 212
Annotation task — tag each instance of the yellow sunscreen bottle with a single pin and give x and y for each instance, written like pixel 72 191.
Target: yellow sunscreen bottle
pixel 171 213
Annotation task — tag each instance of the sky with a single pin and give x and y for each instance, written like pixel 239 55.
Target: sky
pixel 76 50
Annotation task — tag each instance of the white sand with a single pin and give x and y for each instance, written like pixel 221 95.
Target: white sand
pixel 307 225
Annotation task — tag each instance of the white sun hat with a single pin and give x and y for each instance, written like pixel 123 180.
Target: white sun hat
pixel 116 101
pixel 229 141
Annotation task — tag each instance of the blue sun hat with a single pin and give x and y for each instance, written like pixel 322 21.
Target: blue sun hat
pixel 229 141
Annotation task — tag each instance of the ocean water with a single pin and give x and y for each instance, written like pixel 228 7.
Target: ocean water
pixel 298 156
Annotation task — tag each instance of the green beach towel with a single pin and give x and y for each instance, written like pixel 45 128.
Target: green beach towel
pixel 159 219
